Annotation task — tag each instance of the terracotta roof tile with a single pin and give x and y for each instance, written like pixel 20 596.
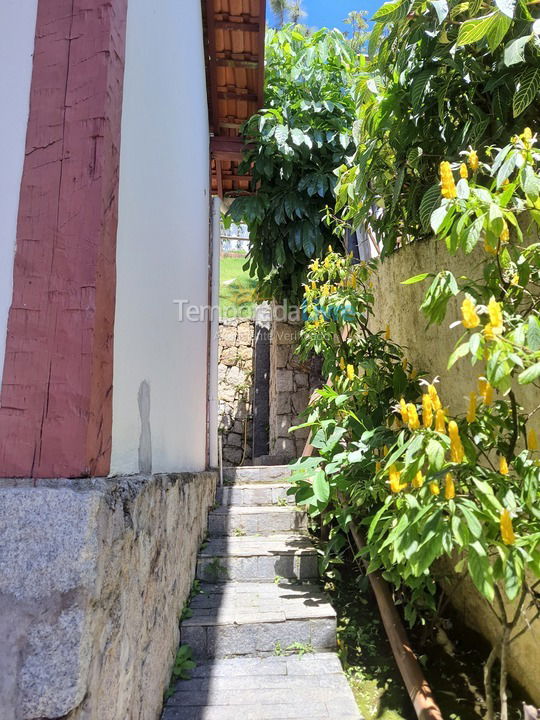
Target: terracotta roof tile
pixel 234 35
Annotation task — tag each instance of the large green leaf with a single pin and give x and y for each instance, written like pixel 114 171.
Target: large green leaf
pixel 480 570
pixel 430 201
pixel 473 30
pixel 528 87
pixel 514 52
pixel 530 374
pixel 497 31
pixel 391 11
pixel 321 487
pixel 281 134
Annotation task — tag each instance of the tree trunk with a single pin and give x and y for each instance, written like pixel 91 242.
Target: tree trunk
pixel 504 674
pixel 488 689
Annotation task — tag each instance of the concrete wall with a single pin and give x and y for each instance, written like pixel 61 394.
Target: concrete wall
pixel 18 18
pixel 428 349
pixel 93 578
pixel 159 388
pixel 397 306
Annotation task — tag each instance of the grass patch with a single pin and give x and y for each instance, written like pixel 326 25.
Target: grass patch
pixel 236 288
pixel 366 655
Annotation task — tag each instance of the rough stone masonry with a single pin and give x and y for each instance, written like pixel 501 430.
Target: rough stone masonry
pixel 235 377
pixel 291 385
pixel 93 577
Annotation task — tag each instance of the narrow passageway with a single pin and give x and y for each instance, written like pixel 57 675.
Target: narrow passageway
pixel 262 630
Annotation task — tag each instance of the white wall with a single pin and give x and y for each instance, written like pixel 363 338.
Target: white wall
pixel 18 21
pixel 163 231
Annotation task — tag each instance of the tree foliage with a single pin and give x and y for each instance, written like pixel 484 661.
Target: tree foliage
pixel 444 74
pixel 296 142
pixel 287 9
pixel 425 479
pixel 359 29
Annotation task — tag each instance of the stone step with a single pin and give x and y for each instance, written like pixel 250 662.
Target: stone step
pixel 244 520
pixel 272 688
pixel 258 619
pixel 254 494
pixel 254 559
pixel 256 474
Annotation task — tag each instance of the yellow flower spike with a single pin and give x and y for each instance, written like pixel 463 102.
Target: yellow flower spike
pixel 469 314
pixel 385 450
pixel 507 531
pixel 449 487
pixel 488 331
pixel 514 280
pixel 448 186
pixel 387 332
pixel 434 488
pixel 457 452
pixel 463 172
pixel 488 394
pixel 418 480
pixel 313 285
pixel 315 264
pixel 440 421
pixel 532 441
pixel 341 363
pixel 503 466
pixel 472 160
pixel 456 448
pixel 527 134
pixel 427 411
pixel 404 363
pixel 350 372
pixel 471 412
pixel 378 466
pixel 435 399
pixel 414 373
pixel 413 421
pixel 504 237
pixel 495 315
pixel 404 410
pixel 394 477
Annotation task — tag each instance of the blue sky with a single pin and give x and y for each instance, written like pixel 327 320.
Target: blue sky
pixel 330 13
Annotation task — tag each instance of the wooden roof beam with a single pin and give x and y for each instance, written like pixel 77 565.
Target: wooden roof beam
pixel 252 97
pixel 211 37
pixel 244 26
pixel 228 62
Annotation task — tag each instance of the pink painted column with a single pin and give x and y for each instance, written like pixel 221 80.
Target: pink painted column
pixel 55 402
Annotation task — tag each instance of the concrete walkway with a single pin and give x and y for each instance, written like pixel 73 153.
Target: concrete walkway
pixel 260 603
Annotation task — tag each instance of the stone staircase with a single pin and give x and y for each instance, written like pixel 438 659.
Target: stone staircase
pixel 260 602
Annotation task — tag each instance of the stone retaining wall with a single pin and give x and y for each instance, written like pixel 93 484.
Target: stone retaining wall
pixel 235 391
pixel 93 578
pixel 291 385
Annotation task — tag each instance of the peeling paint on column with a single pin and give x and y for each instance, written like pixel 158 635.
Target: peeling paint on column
pixel 55 405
